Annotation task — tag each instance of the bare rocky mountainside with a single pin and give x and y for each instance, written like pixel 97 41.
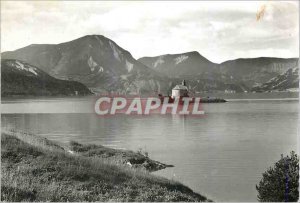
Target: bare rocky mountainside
pixel 289 80
pixel 20 78
pixel 257 70
pixel 104 67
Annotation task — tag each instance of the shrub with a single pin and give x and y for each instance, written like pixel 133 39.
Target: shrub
pixel 280 183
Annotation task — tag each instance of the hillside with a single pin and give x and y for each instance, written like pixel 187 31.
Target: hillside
pixel 36 169
pixel 287 80
pixel 179 65
pixel 20 78
pixel 254 71
pixel 95 61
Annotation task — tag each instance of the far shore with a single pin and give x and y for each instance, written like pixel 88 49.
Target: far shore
pixel 204 96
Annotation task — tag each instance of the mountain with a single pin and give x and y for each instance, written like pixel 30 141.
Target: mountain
pixel 201 74
pixel 179 65
pixel 255 71
pixel 104 67
pixel 20 78
pixel 282 82
pixel 238 75
pixel 95 61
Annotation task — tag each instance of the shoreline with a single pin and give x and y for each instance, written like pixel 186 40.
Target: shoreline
pixel 204 95
pixel 47 171
pixel 139 160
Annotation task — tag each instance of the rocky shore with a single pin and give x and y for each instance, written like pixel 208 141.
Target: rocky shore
pixel 212 100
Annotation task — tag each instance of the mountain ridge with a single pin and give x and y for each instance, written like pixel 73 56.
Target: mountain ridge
pixel 249 72
pixel 103 66
pixel 93 60
pixel 179 64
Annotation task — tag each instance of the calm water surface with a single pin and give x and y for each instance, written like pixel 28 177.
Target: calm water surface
pixel 221 155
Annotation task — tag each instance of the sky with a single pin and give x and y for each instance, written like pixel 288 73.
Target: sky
pixel 218 30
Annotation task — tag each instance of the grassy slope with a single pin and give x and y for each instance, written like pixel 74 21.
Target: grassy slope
pixel 134 159
pixel 41 171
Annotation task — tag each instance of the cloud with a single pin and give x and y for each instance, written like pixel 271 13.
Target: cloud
pixel 218 30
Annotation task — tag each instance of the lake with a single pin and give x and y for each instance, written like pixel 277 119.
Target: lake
pixel 221 155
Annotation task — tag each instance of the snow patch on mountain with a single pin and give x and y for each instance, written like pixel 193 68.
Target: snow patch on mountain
pixel 21 66
pixel 180 59
pixel 129 66
pixel 92 64
pixel 124 77
pixel 295 70
pixel 32 70
pixel 116 52
pixel 159 61
pixel 101 69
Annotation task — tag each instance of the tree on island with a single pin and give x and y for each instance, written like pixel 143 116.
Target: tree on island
pixel 280 183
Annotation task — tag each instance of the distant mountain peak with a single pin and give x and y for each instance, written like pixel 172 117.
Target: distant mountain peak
pixel 193 53
pixel 94 60
pixel 188 63
pixel 91 37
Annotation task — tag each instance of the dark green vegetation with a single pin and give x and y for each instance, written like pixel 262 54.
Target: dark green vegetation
pixel 36 169
pixel 21 79
pixel 281 182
